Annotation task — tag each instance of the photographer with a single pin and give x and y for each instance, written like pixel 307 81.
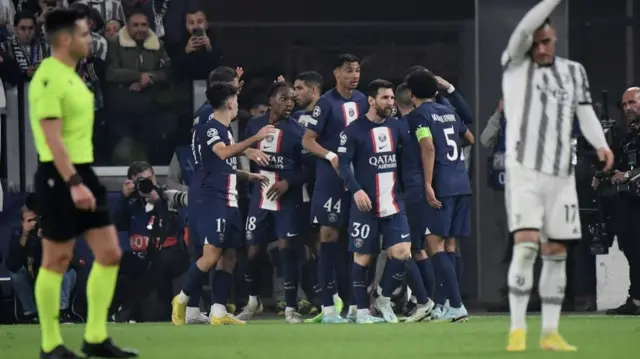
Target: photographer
pixel 625 178
pixel 23 262
pixel 157 253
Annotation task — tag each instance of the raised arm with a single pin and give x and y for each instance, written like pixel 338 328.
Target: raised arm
pixel 522 37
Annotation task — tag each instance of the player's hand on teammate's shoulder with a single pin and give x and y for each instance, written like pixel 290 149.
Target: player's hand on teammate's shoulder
pixel 258 178
pixel 362 201
pixel 277 190
pixel 258 157
pixel 431 197
pixel 264 132
pixel 128 187
pixel 83 198
pixel 605 156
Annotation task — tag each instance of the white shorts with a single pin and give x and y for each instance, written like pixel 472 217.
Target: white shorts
pixel 542 202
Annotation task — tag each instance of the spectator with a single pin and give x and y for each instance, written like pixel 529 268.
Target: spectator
pixel 108 9
pixel 111 29
pixel 156 11
pixel 137 66
pixel 25 48
pixel 23 262
pixel 92 70
pixel 7 14
pixel 41 8
pixel 199 56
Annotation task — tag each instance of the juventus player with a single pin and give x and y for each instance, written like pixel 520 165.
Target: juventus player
pixel 542 94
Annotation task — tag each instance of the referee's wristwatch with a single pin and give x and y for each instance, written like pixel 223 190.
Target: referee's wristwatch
pixel 74 180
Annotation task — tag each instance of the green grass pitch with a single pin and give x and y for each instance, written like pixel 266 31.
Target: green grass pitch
pixel 597 337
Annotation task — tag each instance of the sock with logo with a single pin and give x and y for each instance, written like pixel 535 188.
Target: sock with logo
pixel 310 283
pixel 359 280
pixel 520 282
pixel 447 274
pixel 328 252
pixel 47 291
pixel 289 258
pixel 553 280
pixel 252 276
pixel 101 285
pixel 392 277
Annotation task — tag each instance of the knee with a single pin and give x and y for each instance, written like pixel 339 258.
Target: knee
pixel 554 249
pixel 526 236
pixel 362 259
pixel 435 244
pixel 58 261
pixel 419 254
pixel 526 252
pixel 401 251
pixel 328 235
pixel 451 245
pixel 109 257
pixel 252 252
pixel 228 261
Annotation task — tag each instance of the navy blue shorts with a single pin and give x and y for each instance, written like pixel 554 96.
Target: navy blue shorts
pixel 453 219
pixel 216 224
pixel 330 208
pixel 365 230
pixel 264 226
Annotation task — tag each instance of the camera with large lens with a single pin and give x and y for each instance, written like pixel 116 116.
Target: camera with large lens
pixel 144 186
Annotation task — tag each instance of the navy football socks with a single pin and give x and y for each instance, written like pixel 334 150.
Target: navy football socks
pixel 428 276
pixel 393 276
pixel 328 253
pixel 251 277
pixel 193 283
pixel 359 289
pixel 414 278
pixel 221 287
pixel 446 274
pixel 457 264
pixel 289 258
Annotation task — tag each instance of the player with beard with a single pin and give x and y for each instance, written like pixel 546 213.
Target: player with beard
pixel 274 211
pixel 308 89
pixel 333 112
pixel 368 153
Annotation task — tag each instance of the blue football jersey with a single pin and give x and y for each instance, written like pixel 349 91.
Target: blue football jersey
pixel 203 114
pixel 303 117
pixel 372 148
pixel 450 177
pixel 287 161
pixel 214 177
pixel 331 115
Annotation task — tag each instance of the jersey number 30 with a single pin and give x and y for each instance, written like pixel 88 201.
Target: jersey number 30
pixel 457 154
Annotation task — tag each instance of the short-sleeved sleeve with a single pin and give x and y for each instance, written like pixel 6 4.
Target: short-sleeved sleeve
pixel 215 135
pixel 583 92
pixel 48 102
pixel 419 125
pixel 319 116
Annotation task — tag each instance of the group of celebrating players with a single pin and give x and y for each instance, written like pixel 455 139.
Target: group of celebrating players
pixel 343 163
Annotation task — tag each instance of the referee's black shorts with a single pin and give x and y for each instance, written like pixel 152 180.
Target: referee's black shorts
pixel 60 220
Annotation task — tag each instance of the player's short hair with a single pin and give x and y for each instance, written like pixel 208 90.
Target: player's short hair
pixel 23 15
pixel 413 69
pixel 376 85
pixel 546 22
pixel 275 87
pixel 344 59
pixel 423 85
pixel 62 20
pixel 222 74
pixel 218 93
pixel 311 78
pixel 137 167
pixel 195 11
pixel 403 96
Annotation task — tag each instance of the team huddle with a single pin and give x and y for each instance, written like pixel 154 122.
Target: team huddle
pixel 343 164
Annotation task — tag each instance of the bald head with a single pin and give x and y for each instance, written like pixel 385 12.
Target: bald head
pixel 631 104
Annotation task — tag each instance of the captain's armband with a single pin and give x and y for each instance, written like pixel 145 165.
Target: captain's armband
pixel 423 132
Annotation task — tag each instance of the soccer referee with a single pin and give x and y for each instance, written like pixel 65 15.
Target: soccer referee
pixel 71 199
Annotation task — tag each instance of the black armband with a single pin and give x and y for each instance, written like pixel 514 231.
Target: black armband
pixel 74 180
